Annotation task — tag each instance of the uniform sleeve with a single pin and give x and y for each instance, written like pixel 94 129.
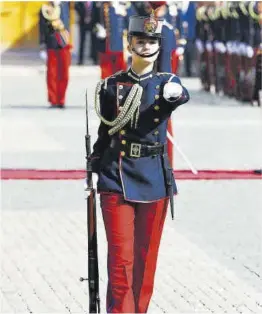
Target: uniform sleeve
pixel 176 102
pixel 65 14
pixel 42 29
pixel 103 139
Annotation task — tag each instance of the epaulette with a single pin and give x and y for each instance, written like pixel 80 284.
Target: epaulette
pixel 112 76
pixel 165 73
pixel 168 25
pixel 117 73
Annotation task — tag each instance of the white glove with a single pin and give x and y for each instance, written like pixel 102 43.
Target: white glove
pixel 220 47
pixel 119 8
pixel 242 49
pixel 43 55
pixel 100 31
pixel 209 46
pixel 249 52
pixel 200 46
pixel 180 51
pixel 172 90
pixel 229 46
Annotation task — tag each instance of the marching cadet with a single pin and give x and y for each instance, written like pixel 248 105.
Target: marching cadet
pixel 135 179
pixel 54 37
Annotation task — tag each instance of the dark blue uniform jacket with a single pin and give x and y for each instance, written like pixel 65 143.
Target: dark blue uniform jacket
pixel 114 23
pixel 138 179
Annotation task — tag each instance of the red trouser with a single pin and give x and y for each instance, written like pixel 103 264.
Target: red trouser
pixel 58 62
pixel 174 62
pixel 111 62
pixel 133 233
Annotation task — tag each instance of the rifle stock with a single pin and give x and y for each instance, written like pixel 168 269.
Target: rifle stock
pixel 93 271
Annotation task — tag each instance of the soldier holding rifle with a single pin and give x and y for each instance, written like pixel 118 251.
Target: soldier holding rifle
pixel 135 180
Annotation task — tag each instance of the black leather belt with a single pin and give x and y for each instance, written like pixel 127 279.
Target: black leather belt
pixel 136 150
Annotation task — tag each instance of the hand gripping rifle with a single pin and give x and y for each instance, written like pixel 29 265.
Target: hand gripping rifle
pixel 93 273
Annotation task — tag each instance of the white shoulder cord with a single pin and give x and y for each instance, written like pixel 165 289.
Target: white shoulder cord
pixel 130 110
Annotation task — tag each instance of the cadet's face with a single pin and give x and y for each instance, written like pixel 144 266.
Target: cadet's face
pixel 145 46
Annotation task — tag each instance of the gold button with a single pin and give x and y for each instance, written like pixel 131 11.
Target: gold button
pixel 122 153
pixel 157 97
pixel 122 132
pixel 120 96
pixel 158 86
pixel 156 120
pixel 120 86
pixel 157 143
pixel 124 142
pixel 156 107
pixel 156 132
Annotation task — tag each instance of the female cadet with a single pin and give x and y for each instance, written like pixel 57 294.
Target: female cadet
pixel 130 158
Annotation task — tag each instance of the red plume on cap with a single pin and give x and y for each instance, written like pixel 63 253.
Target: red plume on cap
pixel 157 4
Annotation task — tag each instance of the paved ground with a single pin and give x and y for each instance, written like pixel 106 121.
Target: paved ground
pixel 210 258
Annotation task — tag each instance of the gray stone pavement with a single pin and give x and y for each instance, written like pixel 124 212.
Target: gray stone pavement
pixel 210 256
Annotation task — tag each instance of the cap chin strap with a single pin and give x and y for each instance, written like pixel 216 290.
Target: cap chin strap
pixel 145 56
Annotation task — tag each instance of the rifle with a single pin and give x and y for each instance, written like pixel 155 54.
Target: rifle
pixel 93 273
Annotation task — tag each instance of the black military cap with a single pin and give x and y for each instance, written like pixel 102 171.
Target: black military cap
pixel 148 26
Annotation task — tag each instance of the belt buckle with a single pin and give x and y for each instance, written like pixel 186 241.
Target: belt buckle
pixel 135 150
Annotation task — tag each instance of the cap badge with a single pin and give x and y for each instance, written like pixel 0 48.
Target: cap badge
pixel 150 25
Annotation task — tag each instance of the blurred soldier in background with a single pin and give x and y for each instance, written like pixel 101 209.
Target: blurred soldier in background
pixel 110 27
pixel 229 48
pixel 257 96
pixel 188 29
pixel 252 59
pixel 55 38
pixel 201 39
pixel 84 11
pixel 219 47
